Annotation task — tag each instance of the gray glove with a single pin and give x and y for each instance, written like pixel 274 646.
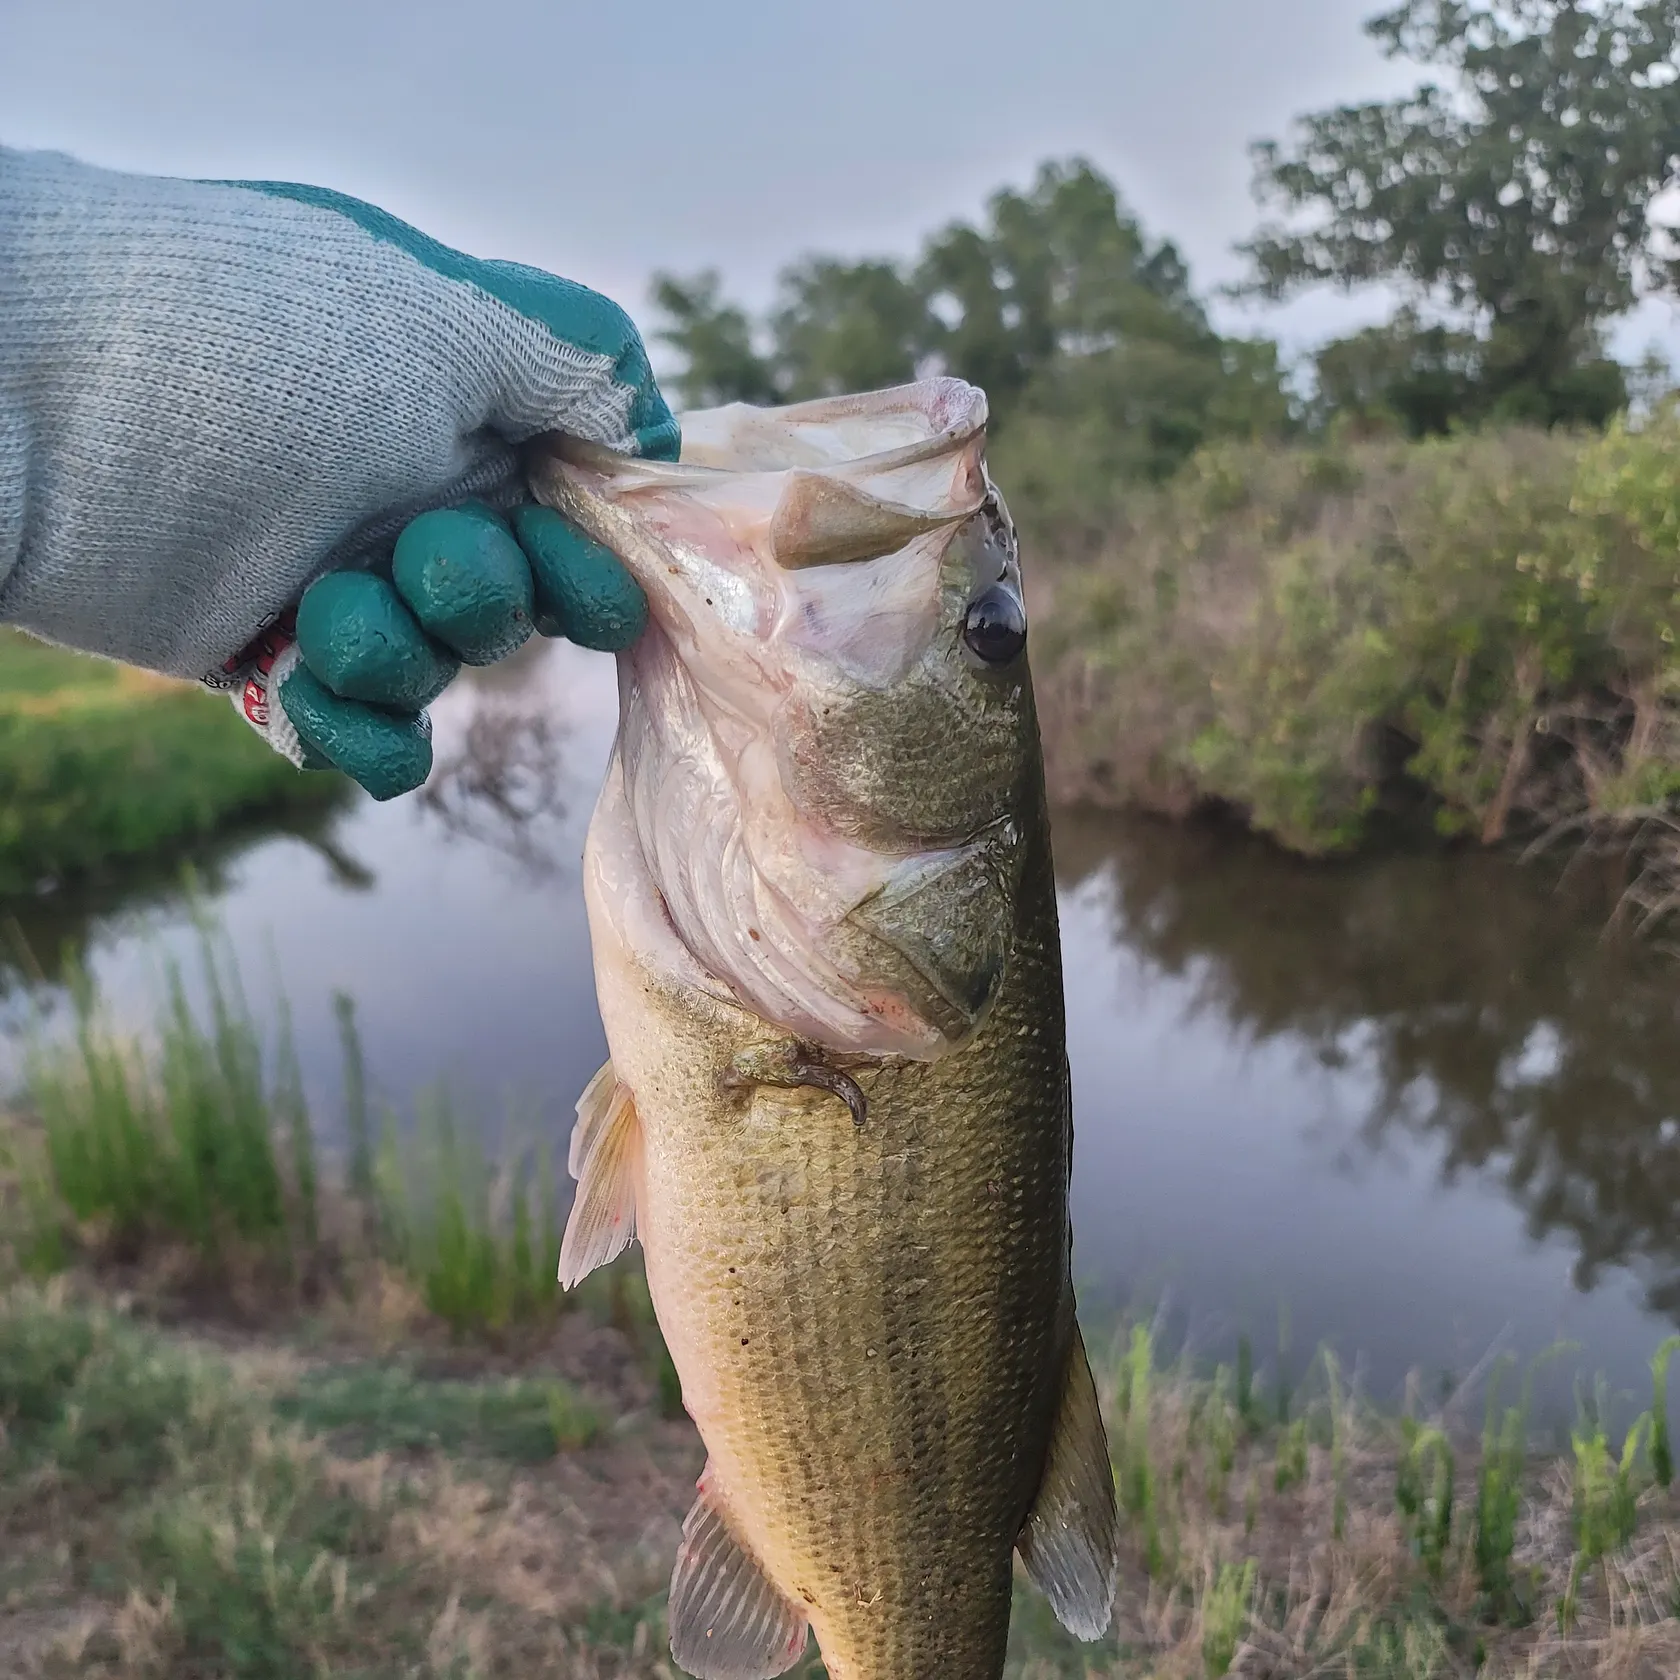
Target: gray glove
pixel 212 394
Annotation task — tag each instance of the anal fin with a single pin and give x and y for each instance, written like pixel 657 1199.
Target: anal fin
pixel 728 1621
pixel 1070 1543
pixel 606 1146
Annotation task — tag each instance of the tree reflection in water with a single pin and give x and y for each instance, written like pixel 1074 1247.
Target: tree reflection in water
pixel 505 786
pixel 1497 1017
pixel 43 935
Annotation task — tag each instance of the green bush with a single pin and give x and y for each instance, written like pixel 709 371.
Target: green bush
pixel 1301 635
pixel 99 764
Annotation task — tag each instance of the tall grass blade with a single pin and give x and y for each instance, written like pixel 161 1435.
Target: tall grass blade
pixel 1662 1454
pixel 356 1125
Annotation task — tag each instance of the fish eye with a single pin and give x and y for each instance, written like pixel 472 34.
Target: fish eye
pixel 995 626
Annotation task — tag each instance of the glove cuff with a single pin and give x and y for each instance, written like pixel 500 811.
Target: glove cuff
pixel 252 679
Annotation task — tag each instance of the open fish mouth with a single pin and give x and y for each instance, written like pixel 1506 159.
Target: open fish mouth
pixel 729 537
pixel 798 565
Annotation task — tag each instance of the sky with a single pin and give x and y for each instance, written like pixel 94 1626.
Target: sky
pixel 606 141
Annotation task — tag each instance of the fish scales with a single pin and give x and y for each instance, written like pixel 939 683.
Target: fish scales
pixel 846 1157
pixel 892 1334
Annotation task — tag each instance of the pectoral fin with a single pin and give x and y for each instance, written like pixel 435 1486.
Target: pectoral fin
pixel 606 1145
pixel 728 1622
pixel 794 1067
pixel 1071 1541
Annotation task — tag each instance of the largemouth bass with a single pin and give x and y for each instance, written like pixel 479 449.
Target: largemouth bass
pixel 837 1113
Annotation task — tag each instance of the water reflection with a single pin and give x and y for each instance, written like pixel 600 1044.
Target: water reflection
pixel 44 934
pixel 504 786
pixel 1419 1100
pixel 1491 1025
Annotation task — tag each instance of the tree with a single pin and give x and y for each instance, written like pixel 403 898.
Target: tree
pixel 843 327
pixel 715 340
pixel 1099 362
pixel 1058 274
pixel 1404 376
pixel 835 327
pixel 1519 195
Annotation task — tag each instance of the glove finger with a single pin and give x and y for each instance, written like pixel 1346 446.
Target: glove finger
pixel 389 753
pixel 359 638
pixel 467 581
pixel 658 437
pixel 587 320
pixel 660 440
pixel 583 591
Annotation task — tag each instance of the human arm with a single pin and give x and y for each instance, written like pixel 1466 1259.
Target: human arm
pixel 213 395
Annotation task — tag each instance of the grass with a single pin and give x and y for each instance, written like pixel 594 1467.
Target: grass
pixel 196 1143
pixel 100 764
pixel 1363 1544
pixel 187 1143
pixel 403 1453
pixel 157 1517
pixel 481 1243
pixel 193 1151
pixel 385 1407
pixel 266 1507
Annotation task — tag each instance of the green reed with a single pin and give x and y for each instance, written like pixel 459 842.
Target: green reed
pixel 1506 1595
pixel 1131 1433
pixel 1225 1613
pixel 357 1127
pixel 1499 1480
pixel 481 1244
pixel 200 1137
pixel 1424 1493
pixel 1662 1456
pixel 1221 1424
pixel 1289 1468
pixel 1606 1491
pixel 1341 1424
pixel 1248 1405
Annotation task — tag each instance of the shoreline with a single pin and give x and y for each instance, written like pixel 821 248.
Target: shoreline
pixel 361 1491
pixel 1345 643
pixel 105 769
pixel 256 1422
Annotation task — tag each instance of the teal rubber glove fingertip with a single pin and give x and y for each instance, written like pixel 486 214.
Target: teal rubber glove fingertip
pixel 661 439
pixel 467 581
pixel 356 635
pixel 583 591
pixel 388 753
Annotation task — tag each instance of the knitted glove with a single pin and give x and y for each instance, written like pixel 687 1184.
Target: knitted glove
pixel 217 396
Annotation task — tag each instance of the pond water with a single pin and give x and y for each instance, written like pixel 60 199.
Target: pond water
pixel 1418 1108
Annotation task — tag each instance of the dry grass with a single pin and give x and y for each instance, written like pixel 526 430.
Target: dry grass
pixel 161 1516
pixel 1228 1570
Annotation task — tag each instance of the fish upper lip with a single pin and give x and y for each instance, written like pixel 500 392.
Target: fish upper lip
pixel 824 500
pixel 969 422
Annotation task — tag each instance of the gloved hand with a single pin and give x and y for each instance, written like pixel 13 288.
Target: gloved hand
pixel 215 397
pixel 367 652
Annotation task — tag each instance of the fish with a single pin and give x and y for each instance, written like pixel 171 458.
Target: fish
pixel 837 1115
